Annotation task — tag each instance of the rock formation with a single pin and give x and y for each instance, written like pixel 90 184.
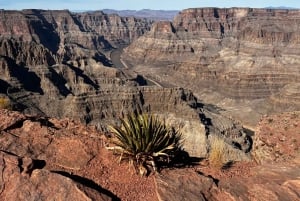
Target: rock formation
pixel 58 53
pixel 50 54
pixel 36 37
pixel 235 53
pixel 36 154
pixel 39 156
pixel 57 64
pixel 19 183
pixel 276 149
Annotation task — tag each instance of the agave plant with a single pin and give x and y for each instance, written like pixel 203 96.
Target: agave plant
pixel 144 140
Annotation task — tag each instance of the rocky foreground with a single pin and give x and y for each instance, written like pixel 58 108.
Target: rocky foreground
pixel 39 156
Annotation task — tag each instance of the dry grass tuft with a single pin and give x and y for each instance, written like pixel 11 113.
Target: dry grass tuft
pixel 5 103
pixel 217 155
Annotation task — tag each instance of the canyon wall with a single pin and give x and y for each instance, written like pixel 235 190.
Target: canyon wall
pixel 59 53
pixel 37 37
pixel 57 64
pixel 238 53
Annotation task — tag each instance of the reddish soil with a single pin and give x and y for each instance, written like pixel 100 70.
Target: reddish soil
pixel 277 138
pixel 122 180
pixel 119 178
pixel 237 169
pixel 86 158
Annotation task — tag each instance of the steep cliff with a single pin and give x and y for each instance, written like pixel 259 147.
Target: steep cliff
pixel 47 37
pixel 57 64
pixel 56 53
pixel 240 53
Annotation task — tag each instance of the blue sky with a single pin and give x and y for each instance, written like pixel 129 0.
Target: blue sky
pixel 141 4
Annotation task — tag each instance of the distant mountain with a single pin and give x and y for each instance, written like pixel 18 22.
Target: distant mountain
pixel 145 13
pixel 280 7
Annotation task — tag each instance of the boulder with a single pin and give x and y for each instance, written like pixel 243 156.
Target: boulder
pixel 20 180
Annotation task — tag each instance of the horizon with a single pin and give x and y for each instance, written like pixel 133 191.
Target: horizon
pixel 90 5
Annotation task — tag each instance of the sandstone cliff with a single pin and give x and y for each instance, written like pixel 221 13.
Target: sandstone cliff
pixel 57 64
pixel 238 53
pixel 47 37
pixel 58 53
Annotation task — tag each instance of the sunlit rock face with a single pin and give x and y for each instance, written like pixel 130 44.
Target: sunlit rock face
pixel 48 36
pixel 239 53
pixel 49 56
pixel 58 64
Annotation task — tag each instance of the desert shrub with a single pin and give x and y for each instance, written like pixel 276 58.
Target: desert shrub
pixel 5 103
pixel 144 140
pixel 217 156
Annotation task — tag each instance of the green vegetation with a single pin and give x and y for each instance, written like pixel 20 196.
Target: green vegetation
pixel 144 141
pixel 5 103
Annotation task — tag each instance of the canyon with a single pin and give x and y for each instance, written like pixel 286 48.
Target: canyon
pixel 59 64
pixel 243 60
pixel 209 72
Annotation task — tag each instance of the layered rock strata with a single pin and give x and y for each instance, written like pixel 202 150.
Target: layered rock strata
pixel 239 53
pixel 40 37
pixel 56 64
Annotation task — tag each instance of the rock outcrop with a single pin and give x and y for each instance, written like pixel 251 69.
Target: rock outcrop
pixel 265 183
pixel 186 185
pixel 40 156
pixel 40 138
pixel 275 177
pixel 238 53
pixel 36 154
pixel 22 179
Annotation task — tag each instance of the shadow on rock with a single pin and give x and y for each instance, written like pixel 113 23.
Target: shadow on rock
pixel 29 80
pixel 44 121
pixel 86 78
pixel 3 86
pixel 88 183
pixel 181 160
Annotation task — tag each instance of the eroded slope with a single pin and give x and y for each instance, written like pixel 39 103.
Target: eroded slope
pixel 239 58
